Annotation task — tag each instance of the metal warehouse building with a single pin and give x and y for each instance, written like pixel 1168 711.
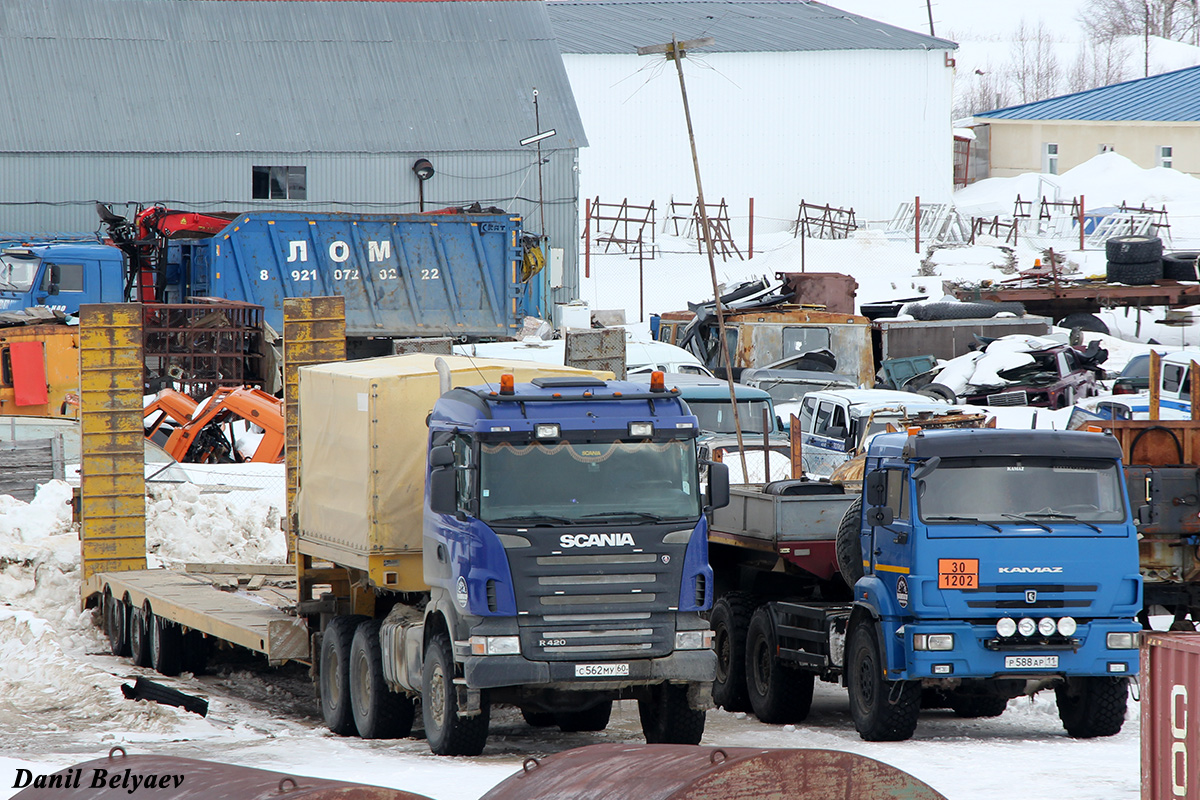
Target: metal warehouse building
pixel 240 104
pixel 795 100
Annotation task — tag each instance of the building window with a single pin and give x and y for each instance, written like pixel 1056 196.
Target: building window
pixel 1164 157
pixel 1050 159
pixel 1108 148
pixel 280 183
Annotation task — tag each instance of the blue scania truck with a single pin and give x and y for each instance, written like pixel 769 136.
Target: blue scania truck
pixel 976 566
pixel 467 275
pixel 535 537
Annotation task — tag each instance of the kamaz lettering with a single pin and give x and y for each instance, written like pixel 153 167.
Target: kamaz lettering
pixel 596 539
pixel 1028 570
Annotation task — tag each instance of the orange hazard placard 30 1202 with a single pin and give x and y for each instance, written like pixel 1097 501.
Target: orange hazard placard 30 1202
pixel 958 573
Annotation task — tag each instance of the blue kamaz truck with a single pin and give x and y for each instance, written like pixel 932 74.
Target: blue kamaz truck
pixel 465 274
pixel 974 566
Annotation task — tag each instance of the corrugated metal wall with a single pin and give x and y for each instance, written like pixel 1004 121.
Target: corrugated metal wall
pixel 57 192
pixel 865 129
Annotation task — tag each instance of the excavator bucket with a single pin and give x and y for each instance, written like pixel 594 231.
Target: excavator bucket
pixel 681 772
pixel 119 776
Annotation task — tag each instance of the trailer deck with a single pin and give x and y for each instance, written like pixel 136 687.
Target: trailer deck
pixel 1059 299
pixel 242 604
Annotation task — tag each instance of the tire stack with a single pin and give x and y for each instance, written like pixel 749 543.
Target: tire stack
pixel 1134 260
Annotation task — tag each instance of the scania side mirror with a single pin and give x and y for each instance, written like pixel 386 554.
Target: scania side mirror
pixel 718 484
pixel 443 488
pixel 441 456
pixel 880 515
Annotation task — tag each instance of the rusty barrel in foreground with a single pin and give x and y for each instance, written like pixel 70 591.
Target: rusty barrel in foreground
pixel 166 778
pixel 682 772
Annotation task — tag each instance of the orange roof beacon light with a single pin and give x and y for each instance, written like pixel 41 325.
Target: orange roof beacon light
pixel 506 384
pixel 914 430
pixel 658 381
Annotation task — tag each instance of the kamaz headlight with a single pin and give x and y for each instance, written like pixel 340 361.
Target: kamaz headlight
pixel 1006 626
pixel 1026 627
pixel 1047 626
pixel 933 641
pixel 495 645
pixel 693 640
pixel 1122 641
pixel 1067 626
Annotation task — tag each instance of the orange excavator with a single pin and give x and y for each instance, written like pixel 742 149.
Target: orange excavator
pixel 205 433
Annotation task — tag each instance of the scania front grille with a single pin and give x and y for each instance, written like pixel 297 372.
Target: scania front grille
pixel 598 606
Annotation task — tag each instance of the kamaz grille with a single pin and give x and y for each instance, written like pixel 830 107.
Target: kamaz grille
pixel 596 606
pixel 1013 599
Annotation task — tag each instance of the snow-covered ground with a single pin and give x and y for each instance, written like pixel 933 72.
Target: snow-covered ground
pixel 61 703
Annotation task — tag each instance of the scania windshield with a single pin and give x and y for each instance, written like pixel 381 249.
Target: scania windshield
pixel 588 483
pixel 17 272
pixel 1037 491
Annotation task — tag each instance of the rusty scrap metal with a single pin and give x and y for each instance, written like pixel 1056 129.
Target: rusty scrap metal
pixel 682 772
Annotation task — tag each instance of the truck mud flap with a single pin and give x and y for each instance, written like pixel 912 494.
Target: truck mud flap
pixel 120 775
pixel 683 772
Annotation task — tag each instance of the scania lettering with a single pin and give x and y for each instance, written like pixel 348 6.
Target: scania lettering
pixel 596 539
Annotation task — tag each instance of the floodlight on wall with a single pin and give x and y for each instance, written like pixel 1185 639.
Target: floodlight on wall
pixel 424 171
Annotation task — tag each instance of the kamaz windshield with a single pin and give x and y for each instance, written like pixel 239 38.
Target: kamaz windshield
pixel 17 272
pixel 1022 490
pixel 584 483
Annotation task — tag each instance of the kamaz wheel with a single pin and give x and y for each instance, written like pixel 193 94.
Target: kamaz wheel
pixel 447 732
pixel 883 711
pixel 778 693
pixel 729 620
pixel 334 677
pixel 848 547
pixel 1092 706
pixel 379 713
pixel 667 718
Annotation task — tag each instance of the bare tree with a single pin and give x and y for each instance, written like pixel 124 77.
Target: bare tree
pixel 1036 72
pixel 984 90
pixel 1168 19
pixel 1097 64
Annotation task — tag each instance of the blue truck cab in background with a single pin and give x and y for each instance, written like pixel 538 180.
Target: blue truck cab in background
pixel 993 562
pixel 403 275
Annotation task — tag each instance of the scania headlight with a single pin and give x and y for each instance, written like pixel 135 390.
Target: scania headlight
pixel 495 645
pixel 693 640
pixel 933 641
pixel 641 430
pixel 546 430
pixel 1122 641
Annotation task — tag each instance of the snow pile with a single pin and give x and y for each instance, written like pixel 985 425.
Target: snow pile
pixel 183 524
pixel 44 689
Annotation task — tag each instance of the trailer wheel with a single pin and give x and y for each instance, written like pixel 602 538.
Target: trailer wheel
pixel 139 637
pixel 849 544
pixel 335 674
pixel 778 694
pixel 730 618
pixel 590 719
pixel 116 624
pixel 971 706
pixel 883 711
pixel 447 732
pixel 379 713
pixel 166 645
pixel 1085 322
pixel 667 718
pixel 195 652
pixel 1092 706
